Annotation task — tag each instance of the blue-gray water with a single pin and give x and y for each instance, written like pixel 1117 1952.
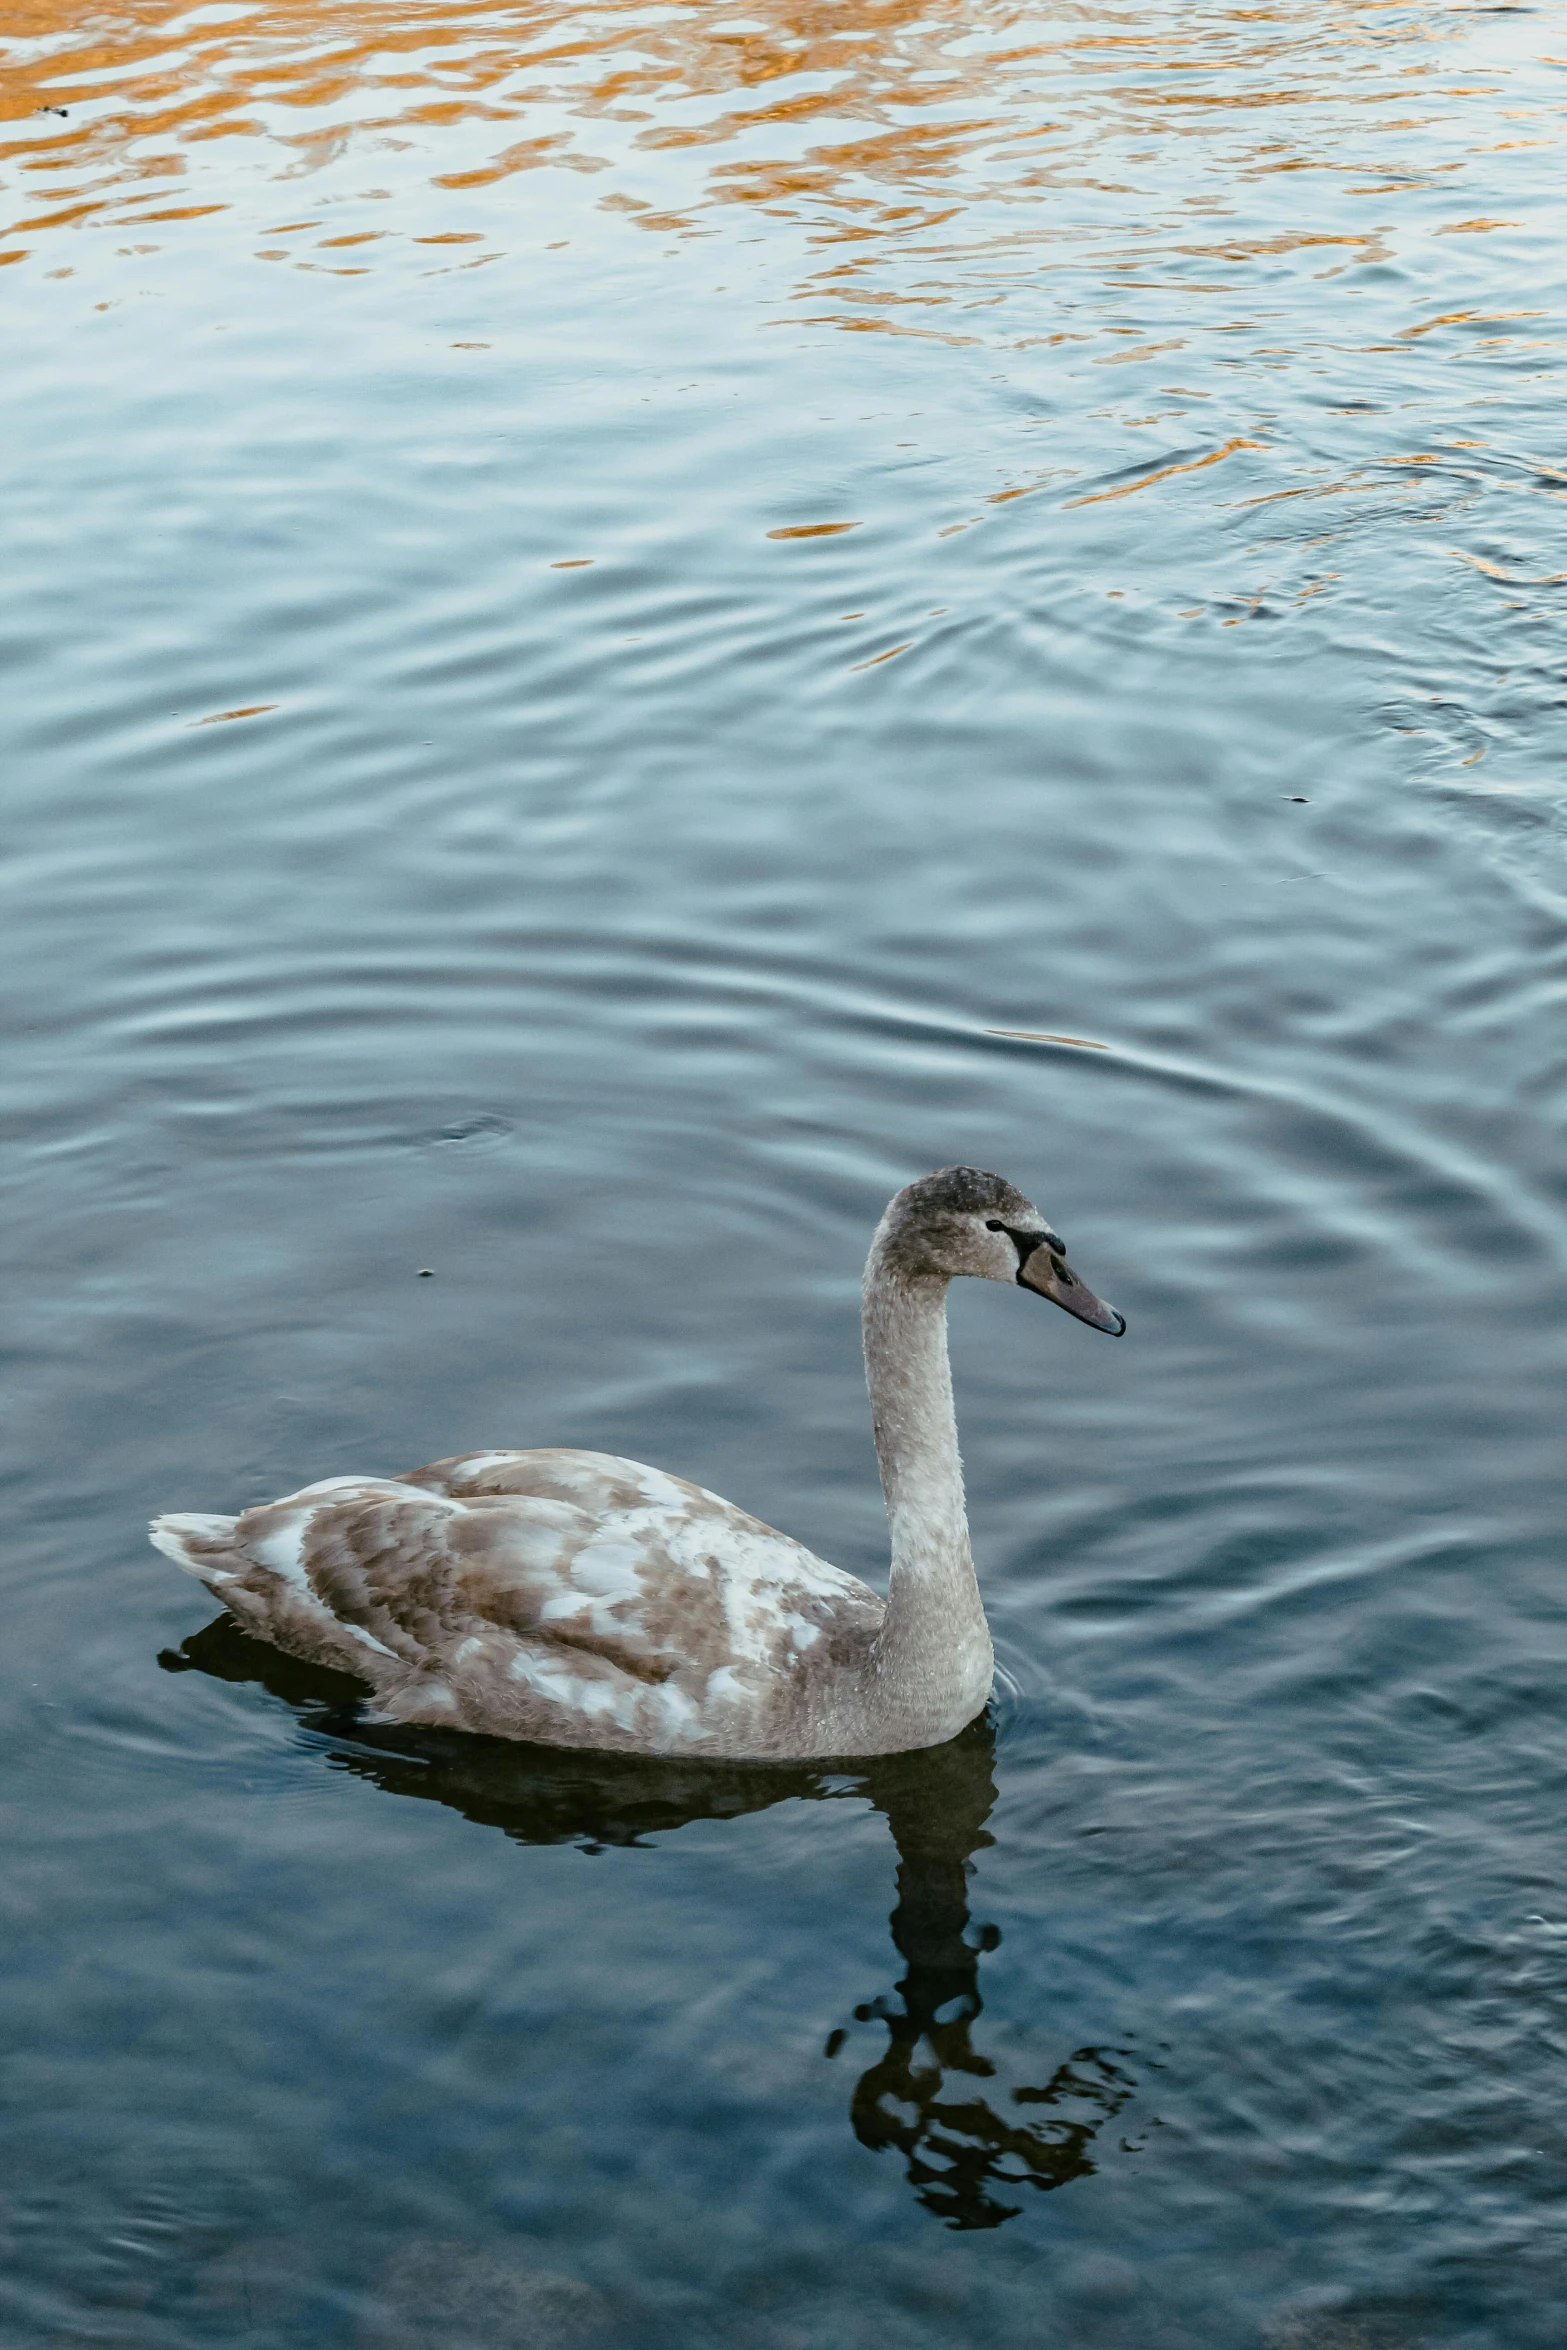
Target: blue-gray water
pixel 456 816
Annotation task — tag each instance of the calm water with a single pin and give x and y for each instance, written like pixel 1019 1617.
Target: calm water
pixel 597 603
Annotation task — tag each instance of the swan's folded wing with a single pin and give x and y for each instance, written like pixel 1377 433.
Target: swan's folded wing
pixel 353 1571
pixel 457 1601
pixel 403 1570
pixel 671 1576
pixel 599 1482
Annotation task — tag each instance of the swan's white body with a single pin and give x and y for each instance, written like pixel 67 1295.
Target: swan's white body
pixel 579 1600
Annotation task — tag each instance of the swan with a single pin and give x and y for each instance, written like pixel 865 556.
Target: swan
pixel 572 1599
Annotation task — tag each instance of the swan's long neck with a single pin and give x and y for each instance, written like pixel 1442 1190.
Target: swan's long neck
pixel 932 1660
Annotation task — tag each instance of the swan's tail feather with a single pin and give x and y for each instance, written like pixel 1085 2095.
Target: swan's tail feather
pixel 203 1546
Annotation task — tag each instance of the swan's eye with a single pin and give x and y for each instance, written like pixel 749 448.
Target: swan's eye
pixel 994 1224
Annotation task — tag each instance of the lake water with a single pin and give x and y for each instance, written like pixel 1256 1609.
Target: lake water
pixel 600 605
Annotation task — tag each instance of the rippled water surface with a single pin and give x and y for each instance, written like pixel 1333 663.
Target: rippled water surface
pixel 616 620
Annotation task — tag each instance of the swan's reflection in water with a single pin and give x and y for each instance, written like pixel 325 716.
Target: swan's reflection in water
pixel 959 2149
pixel 964 2157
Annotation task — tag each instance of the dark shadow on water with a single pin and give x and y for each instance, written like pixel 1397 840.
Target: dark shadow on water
pixel 922 2095
pixel 957 2147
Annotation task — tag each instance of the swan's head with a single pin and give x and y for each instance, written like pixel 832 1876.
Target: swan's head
pixel 960 1220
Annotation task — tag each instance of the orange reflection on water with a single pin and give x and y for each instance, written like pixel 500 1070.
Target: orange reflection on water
pixel 934 134
pixel 1145 481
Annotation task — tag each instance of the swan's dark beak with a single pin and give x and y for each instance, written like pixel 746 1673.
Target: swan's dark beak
pixel 1053 1277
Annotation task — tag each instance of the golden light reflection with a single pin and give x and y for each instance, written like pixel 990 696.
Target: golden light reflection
pixel 1144 481
pixel 934 132
pixel 223 717
pixel 1512 579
